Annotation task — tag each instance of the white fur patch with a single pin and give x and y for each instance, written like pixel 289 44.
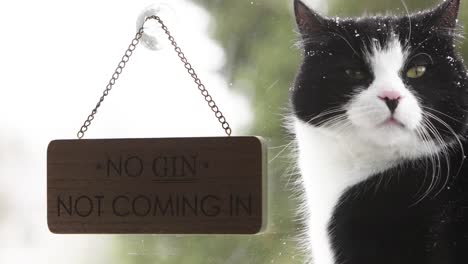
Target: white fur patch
pixel 366 111
pixel 334 158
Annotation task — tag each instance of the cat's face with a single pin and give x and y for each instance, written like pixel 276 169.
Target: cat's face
pixel 388 80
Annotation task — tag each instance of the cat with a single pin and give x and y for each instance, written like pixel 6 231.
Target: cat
pixel 379 114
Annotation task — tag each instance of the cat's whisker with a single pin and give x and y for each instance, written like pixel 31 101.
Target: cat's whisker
pixel 455 33
pixel 344 125
pixel 435 160
pixel 421 53
pixel 410 23
pixel 425 141
pixel 432 109
pixel 444 151
pixel 331 123
pixel 450 129
pixel 281 151
pixel 432 161
pixel 457 138
pixel 330 111
pixel 327 122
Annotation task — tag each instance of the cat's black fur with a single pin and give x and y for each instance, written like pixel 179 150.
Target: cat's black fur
pixel 386 225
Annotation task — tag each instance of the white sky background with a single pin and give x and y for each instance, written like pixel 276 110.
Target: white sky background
pixel 57 57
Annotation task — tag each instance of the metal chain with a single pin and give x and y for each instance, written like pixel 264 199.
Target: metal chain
pixel 128 53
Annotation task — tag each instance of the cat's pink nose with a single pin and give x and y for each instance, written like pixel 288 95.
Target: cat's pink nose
pixel 390 95
pixel 391 99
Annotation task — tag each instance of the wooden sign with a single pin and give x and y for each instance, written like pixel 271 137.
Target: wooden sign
pixel 157 186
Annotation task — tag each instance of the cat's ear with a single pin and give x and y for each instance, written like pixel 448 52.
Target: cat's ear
pixel 308 21
pixel 445 15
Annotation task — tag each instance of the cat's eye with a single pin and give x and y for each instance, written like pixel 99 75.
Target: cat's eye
pixel 356 74
pixel 416 72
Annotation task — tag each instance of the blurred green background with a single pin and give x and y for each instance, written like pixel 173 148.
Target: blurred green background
pixel 258 37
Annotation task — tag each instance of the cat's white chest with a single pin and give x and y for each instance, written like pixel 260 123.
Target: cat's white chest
pixel 329 165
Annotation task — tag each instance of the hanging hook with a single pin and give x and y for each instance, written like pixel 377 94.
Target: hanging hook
pixel 153 38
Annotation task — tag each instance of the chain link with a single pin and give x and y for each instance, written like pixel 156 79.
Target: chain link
pixel 126 57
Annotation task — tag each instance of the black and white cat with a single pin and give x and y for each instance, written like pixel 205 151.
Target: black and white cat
pixel 380 112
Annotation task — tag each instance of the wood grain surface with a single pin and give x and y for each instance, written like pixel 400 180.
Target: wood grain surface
pixel 157 186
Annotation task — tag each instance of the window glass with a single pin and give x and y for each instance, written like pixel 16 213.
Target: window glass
pixel 57 58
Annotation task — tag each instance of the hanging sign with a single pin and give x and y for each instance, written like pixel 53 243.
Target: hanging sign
pixel 170 186
pixel 159 185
